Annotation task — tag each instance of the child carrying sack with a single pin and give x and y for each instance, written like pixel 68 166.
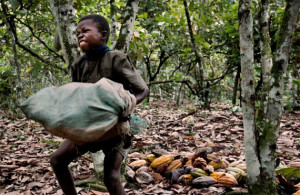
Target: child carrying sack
pixel 82 112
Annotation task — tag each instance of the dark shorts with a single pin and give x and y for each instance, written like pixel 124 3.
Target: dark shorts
pixel 120 143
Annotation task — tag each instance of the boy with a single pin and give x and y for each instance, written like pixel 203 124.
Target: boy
pixel 98 62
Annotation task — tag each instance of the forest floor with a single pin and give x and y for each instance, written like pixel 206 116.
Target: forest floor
pixel 25 148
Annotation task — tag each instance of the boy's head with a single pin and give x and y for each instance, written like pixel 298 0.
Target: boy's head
pixel 92 31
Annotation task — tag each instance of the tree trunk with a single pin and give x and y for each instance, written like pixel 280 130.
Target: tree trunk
pixel 266 56
pixel 248 93
pixel 127 27
pixel 113 24
pixel 65 21
pixel 260 137
pixel 236 85
pixel 13 34
pixel 194 48
pixel 270 125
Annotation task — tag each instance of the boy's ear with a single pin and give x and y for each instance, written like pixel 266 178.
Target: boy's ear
pixel 104 34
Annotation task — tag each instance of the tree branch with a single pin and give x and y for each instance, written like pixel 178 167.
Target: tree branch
pixel 41 41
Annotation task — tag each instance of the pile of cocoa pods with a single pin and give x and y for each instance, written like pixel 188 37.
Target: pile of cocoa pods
pixel 199 170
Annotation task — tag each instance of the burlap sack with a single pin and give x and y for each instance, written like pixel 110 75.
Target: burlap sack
pixel 81 112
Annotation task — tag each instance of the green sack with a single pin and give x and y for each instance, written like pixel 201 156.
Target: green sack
pixel 81 112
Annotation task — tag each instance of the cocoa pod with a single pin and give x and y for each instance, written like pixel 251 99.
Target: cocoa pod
pixel 216 175
pixel 235 163
pixel 143 168
pixel 242 166
pixel 225 164
pixel 216 163
pixel 196 172
pixel 144 177
pixel 161 160
pixel 228 180
pixel 185 179
pixel 204 181
pixel 209 169
pixel 241 178
pixel 199 163
pixel 234 169
pixel 175 164
pixel 175 174
pixel 150 158
pixel 224 178
pixel 212 157
pixel 137 163
pixel 162 168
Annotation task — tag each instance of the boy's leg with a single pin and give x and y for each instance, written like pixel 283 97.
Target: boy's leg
pixel 59 161
pixel 112 173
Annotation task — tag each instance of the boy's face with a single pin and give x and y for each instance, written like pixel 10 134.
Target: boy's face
pixel 88 35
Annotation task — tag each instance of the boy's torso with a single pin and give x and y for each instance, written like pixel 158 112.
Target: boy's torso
pixel 109 66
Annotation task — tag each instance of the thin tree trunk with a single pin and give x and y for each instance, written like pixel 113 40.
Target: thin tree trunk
pixel 194 48
pixel 127 27
pixel 270 126
pixel 248 91
pixel 113 24
pixel 266 56
pixel 65 21
pixel 11 29
pixel 236 85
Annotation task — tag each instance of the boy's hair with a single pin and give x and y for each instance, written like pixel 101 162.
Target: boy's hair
pixel 100 20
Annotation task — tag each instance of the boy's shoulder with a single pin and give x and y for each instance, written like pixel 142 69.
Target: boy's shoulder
pixel 116 53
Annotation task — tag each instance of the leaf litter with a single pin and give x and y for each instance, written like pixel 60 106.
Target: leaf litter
pixel 26 148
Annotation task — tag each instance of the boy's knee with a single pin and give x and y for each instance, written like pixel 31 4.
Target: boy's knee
pixel 112 178
pixel 54 162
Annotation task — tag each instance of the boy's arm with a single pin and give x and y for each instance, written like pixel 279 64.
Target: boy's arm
pixel 141 95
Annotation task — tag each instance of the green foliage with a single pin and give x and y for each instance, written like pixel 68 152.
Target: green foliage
pixel 289 172
pixel 160 49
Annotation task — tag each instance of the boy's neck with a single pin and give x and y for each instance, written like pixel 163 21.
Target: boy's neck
pixel 96 53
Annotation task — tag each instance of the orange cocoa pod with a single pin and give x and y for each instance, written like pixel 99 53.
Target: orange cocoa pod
pixel 161 160
pixel 228 180
pixel 175 164
pixel 138 163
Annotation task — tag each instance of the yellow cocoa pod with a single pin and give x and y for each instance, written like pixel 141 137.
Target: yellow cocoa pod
pixel 138 163
pixel 175 164
pixel 161 160
pixel 242 166
pixel 216 175
pixel 186 179
pixel 150 157
pixel 216 163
